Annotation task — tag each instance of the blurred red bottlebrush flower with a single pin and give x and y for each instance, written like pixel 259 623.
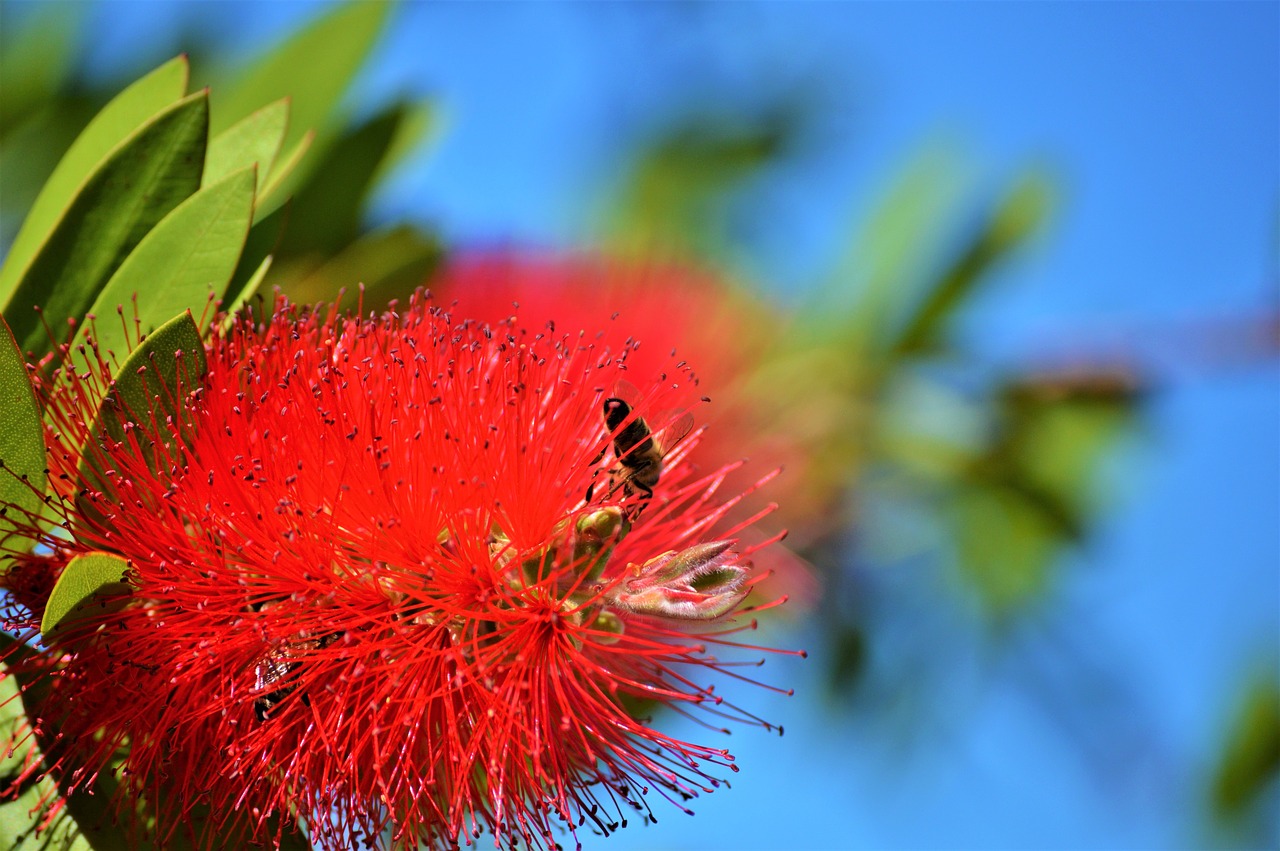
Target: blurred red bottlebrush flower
pixel 668 307
pixel 370 591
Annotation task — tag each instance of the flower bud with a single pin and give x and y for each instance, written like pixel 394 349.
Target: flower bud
pixel 699 583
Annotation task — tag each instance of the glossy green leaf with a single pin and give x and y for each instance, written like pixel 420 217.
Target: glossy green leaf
pixel 255 140
pixel 313 68
pixel 84 577
pixel 150 384
pixel 22 451
pixel 119 120
pixel 189 256
pixel 133 189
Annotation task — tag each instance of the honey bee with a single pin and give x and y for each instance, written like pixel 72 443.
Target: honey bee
pixel 639 450
pixel 278 667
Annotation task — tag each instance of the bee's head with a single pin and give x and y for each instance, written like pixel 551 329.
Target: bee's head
pixel 616 412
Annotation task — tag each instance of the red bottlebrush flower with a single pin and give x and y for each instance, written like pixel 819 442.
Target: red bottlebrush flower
pixel 396 578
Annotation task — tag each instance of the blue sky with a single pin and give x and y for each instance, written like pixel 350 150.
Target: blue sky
pixel 1162 123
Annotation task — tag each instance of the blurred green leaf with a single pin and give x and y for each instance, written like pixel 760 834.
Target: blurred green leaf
pixel 84 577
pixel 313 68
pixel 1033 488
pixel 673 196
pixel 418 120
pixel 22 450
pixel 119 120
pixel 1059 427
pixel 1004 546
pixel 847 645
pixel 1015 218
pixel 861 302
pixel 325 213
pixel 186 258
pixel 133 189
pixel 30 151
pixel 255 140
pixel 35 63
pixel 391 264
pixel 322 220
pixel 150 383
pixel 1250 760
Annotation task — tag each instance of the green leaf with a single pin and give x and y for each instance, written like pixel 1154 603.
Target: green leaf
pixel 150 383
pixel 277 188
pixel 84 577
pixel 313 68
pixel 188 256
pixel 254 140
pixel 1022 211
pixel 133 189
pixel 22 451
pixel 118 120
pixel 29 153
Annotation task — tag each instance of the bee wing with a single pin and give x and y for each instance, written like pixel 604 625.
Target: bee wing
pixel 676 427
pixel 627 392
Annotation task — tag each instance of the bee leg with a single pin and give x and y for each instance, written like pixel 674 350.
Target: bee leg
pixel 636 483
pixel 591 488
